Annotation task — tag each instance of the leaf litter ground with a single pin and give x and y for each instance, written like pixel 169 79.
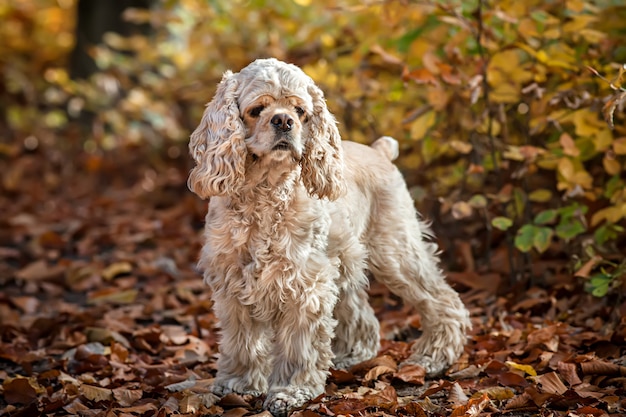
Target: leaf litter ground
pixel 102 313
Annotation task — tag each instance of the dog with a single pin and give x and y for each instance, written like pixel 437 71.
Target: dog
pixel 297 219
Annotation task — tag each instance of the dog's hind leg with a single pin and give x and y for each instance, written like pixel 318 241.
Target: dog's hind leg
pixel 357 335
pixel 404 260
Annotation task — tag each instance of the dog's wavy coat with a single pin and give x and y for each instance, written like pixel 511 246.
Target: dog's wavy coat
pixel 296 219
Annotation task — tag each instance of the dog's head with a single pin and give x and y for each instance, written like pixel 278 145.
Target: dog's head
pixel 266 120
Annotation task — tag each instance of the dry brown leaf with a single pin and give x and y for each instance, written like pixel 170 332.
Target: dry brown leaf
pixel 413 409
pixel 585 270
pixel 190 403
pixel 377 371
pixel 521 401
pixel 233 400
pixel 40 271
pixel 457 396
pixel 383 360
pixel 21 390
pixel 412 374
pixel 127 397
pixel 569 372
pixel 496 393
pixel 599 367
pixel 471 371
pixel 473 408
pixel 550 383
pixel 96 394
pixel 236 412
pixel 140 409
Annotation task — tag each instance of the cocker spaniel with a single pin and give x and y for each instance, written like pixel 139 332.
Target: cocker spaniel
pixel 296 220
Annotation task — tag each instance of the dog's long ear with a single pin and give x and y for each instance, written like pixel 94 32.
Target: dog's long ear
pixel 217 145
pixel 322 161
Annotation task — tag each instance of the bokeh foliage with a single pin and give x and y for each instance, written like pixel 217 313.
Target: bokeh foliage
pixel 509 113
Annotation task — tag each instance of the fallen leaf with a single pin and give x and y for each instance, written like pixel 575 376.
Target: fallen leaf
pixel 529 370
pixel 116 269
pixel 377 371
pixel 569 373
pixel 496 393
pixel 236 412
pixel 457 396
pixel 473 408
pixel 96 394
pixel 40 271
pixel 20 390
pixel 112 295
pixel 412 374
pixel 127 397
pixel 550 383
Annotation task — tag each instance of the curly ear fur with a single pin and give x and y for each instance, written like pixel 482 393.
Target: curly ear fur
pixel 217 145
pixel 322 162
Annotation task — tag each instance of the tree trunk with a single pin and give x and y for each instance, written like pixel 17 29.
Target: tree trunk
pixel 94 19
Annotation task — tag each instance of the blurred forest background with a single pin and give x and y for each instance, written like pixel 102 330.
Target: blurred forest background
pixel 510 116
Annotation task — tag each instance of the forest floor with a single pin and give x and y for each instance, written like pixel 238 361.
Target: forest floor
pixel 102 313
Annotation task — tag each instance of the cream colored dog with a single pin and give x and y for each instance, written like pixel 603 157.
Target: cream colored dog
pixel 296 218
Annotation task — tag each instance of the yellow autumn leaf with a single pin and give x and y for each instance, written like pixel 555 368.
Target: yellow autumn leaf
pixel 438 98
pixel 505 93
pixel 113 296
pixel 422 124
pixel 611 165
pixel 566 169
pixel 583 178
pixel 541 195
pixel 576 6
pixel 603 139
pixel 568 145
pixel 578 23
pixel 592 35
pixel 542 56
pixel 527 369
pixel 611 214
pixel 115 269
pixel 586 122
pixel 461 147
pixel 619 146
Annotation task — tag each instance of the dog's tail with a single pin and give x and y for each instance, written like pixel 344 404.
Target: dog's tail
pixel 388 146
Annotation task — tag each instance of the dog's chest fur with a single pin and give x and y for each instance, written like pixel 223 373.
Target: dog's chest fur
pixel 268 249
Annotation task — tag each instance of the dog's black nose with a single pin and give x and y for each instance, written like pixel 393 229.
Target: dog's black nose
pixel 282 122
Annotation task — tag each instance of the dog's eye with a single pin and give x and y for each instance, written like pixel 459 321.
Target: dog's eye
pixel 300 111
pixel 256 111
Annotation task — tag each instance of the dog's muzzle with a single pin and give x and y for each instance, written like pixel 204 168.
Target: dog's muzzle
pixel 282 122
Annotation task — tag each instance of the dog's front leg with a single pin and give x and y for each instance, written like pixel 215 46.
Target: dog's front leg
pixel 243 363
pixel 303 349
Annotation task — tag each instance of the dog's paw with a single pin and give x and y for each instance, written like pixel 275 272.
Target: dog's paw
pixel 281 401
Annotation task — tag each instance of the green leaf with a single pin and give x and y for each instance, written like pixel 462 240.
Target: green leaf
pixel 501 223
pixel 570 230
pixel 542 238
pixel 519 199
pixel 540 196
pixel 604 234
pixel 525 238
pixel 546 216
pixel 600 284
pixel 478 201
